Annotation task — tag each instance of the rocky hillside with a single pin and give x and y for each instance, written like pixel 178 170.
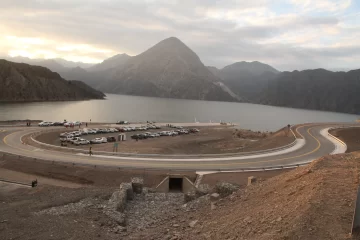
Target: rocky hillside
pixel 113 62
pixel 246 79
pixel 169 69
pixel 23 82
pixel 315 89
pixel 307 203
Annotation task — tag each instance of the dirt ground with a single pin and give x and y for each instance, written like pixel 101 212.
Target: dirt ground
pixel 307 203
pixel 210 140
pixel 68 202
pixel 351 136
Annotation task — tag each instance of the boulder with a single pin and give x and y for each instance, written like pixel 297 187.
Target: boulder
pixel 214 197
pixel 225 189
pixel 203 189
pixel 137 184
pixel 193 223
pixel 189 196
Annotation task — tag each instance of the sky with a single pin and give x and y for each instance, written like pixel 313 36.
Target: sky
pixel 287 34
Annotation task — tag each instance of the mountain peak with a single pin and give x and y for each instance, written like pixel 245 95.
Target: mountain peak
pixel 112 62
pixel 254 67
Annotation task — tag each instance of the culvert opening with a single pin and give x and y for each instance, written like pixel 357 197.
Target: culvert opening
pixel 175 184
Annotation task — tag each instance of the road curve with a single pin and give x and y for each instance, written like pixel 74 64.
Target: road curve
pixel 316 145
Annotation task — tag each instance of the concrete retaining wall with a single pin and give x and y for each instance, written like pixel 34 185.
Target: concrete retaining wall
pixel 188 186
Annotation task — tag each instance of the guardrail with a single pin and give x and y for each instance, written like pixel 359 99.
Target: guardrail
pixel 248 169
pixel 69 149
pixel 14 182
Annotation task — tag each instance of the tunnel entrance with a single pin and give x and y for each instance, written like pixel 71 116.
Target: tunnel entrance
pixel 175 184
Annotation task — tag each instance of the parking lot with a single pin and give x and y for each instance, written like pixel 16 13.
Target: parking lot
pixel 209 140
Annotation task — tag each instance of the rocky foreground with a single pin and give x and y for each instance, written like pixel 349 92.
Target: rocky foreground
pixel 312 202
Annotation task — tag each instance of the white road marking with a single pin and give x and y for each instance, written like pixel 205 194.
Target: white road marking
pixel 299 144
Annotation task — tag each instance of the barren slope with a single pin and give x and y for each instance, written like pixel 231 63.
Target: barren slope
pixel 313 202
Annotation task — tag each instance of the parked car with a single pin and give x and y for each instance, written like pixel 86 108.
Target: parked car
pixel 91 131
pixel 77 123
pixel 139 136
pixel 96 140
pixel 122 122
pixel 173 133
pixel 104 140
pixel 135 136
pixel 44 124
pixel 194 130
pixel 143 136
pixel 81 141
pixel 69 137
pixel 68 124
pixel 64 134
pixel 73 140
pixel 163 133
pixel 58 124
pixel 76 134
pixel 111 139
pixel 84 132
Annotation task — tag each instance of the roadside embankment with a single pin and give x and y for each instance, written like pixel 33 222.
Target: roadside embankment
pixel 351 136
pixel 306 203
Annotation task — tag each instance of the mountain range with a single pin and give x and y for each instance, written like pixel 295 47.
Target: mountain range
pixel 24 82
pixel 171 69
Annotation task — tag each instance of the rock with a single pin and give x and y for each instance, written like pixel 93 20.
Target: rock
pixel 189 196
pixel 225 189
pixel 176 225
pixel 214 197
pixel 129 191
pixel 251 180
pixel 120 229
pixel 247 220
pixel 137 184
pixel 202 190
pixel 167 237
pixel 279 219
pixel 193 223
pixel 151 190
pixel 212 206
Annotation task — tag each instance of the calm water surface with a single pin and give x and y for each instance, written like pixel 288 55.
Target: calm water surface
pixel 134 108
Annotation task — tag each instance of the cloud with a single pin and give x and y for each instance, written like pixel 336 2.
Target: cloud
pixel 283 33
pixel 323 5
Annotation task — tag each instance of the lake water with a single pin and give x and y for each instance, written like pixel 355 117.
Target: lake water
pixel 139 109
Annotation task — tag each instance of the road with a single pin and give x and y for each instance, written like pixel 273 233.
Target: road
pixel 316 145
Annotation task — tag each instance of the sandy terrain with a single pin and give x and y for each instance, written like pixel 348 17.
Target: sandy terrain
pixel 210 140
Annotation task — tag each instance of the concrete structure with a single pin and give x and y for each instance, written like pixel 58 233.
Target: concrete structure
pixel 251 180
pixel 137 184
pixel 176 182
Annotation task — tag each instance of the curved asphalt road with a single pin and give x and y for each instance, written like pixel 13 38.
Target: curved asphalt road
pixel 316 146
